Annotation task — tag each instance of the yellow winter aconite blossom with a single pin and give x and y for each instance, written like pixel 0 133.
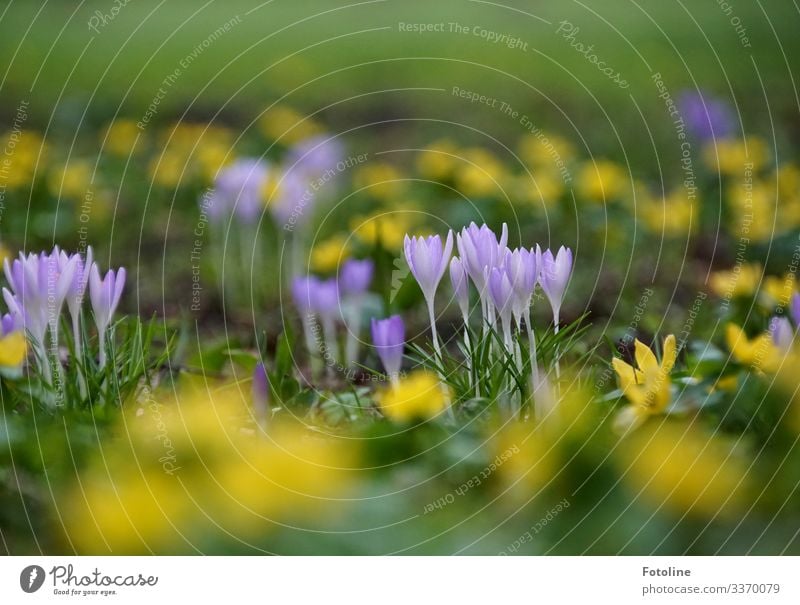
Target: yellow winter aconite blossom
pixel 546 151
pixel 389 229
pixel 479 174
pixel 601 181
pixel 741 281
pixel 13 349
pixel 287 125
pixel 760 353
pixel 438 160
pixel 647 386
pixel 753 211
pixel 328 255
pixel 381 180
pixel 733 157
pixel 679 466
pixel 675 215
pixel 543 188
pixel 778 291
pixel 420 395
pixel 191 151
pixel 71 180
pixel 25 153
pixel 121 137
pixel 190 470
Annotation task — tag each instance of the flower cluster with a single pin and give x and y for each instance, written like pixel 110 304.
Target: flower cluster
pixel 38 287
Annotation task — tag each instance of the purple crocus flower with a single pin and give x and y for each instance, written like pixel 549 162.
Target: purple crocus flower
pixel 356 276
pixel 502 293
pixel 304 290
pixel 239 189
pixel 781 332
pixel 8 324
pixel 460 281
pixel 522 267
pixel 794 309
pixel 480 249
pixel 325 299
pixel 261 392
pixel 105 294
pixel 428 261
pixel 389 337
pixel 706 117
pixel 554 278
pixel 80 279
pixel 315 156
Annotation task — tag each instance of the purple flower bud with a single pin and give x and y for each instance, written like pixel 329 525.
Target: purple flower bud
pixel 706 117
pixel 479 249
pixel 460 281
pixel 260 389
pixel 304 290
pixel 9 324
pixel 315 156
pixel 782 333
pixel 428 261
pixel 105 294
pixel 502 293
pixel 389 337
pixel 325 299
pixel 554 277
pixel 794 309
pixel 239 189
pixel 356 276
pixel 80 278
pixel 522 268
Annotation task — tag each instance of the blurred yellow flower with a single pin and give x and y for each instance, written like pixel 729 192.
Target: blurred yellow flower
pixel 121 137
pixel 13 349
pixel 479 174
pixel 546 151
pixel 389 229
pixel 25 153
pixel 678 465
pixel 753 210
pixel 420 395
pixel 438 160
pixel 71 180
pixel 673 216
pixel 733 157
pixel 328 255
pixel 601 181
pixel 188 468
pixel 778 291
pixel 647 387
pixel 284 124
pixel 543 189
pixel 380 180
pixel 191 152
pixel 741 281
pixel 760 353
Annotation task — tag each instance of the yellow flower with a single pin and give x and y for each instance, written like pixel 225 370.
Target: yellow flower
pixel 731 157
pixel 72 180
pixel 546 151
pixel 778 291
pixel 753 211
pixel 479 174
pixel 121 137
pixel 543 189
pixel 674 216
pixel 741 281
pixel 677 465
pixel 647 387
pixel 328 255
pixel 288 126
pixel 438 160
pixel 199 463
pixel 380 180
pixel 26 152
pixel 418 396
pixel 389 229
pixel 760 353
pixel 601 181
pixel 13 349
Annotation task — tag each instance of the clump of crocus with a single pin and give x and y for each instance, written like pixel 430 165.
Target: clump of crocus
pixel 419 396
pixel 646 386
pixel 389 338
pixel 355 279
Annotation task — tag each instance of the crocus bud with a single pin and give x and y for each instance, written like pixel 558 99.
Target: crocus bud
pixel 261 392
pixel 502 294
pixel 356 276
pixel 554 277
pixel 325 298
pixel 522 268
pixel 480 249
pixel 105 294
pixel 459 279
pixel 782 333
pixel 794 309
pixel 389 337
pixel 428 260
